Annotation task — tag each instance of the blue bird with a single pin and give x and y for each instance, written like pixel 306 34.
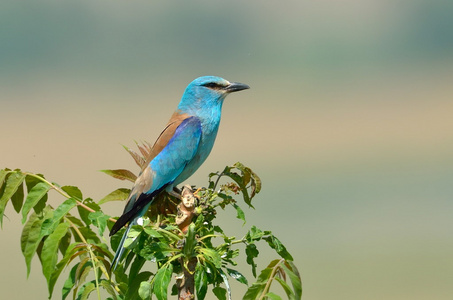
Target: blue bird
pixel 180 149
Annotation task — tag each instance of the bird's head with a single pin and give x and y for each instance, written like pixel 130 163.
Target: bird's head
pixel 208 91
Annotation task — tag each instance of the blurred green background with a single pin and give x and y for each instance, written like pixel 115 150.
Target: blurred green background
pixel 348 121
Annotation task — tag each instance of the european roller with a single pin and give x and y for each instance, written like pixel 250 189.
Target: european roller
pixel 180 149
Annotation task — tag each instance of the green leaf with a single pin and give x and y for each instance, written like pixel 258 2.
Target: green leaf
pixel 256 185
pixel 73 192
pixel 84 268
pixel 3 174
pixel 190 243
pixel 170 234
pixel 242 180
pixel 132 235
pixel 246 172
pixel 13 182
pixel 84 213
pixel 102 250
pixel 251 251
pixel 254 178
pixel 65 242
pixel 49 252
pixel 99 220
pixel 226 282
pixel 136 266
pixel 275 243
pixel 34 195
pixel 201 281
pixel 129 257
pixel 121 174
pixel 86 290
pixel 18 198
pixel 31 181
pixel 30 239
pixel 255 181
pixel 116 195
pixel 236 275
pixel 243 187
pixel 258 287
pixel 254 291
pixel 211 256
pixel 50 224
pixel 174 289
pixel 262 285
pixel 81 278
pixel 286 288
pixel 70 282
pixel 74 220
pixel 159 251
pixel 240 213
pixel 220 293
pixel 59 268
pixel 107 285
pixel 152 232
pixel 254 234
pixel 273 296
pixel 144 291
pixel 294 276
pixel 90 236
pixel 134 285
pixel 161 281
pixel 116 239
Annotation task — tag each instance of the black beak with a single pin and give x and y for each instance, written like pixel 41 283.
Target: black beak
pixel 235 87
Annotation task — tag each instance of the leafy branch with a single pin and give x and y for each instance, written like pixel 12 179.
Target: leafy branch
pixel 187 250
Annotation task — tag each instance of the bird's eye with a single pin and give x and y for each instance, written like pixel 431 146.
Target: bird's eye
pixel 211 85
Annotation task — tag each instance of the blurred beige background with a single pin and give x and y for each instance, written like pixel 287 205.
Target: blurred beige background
pixel 348 121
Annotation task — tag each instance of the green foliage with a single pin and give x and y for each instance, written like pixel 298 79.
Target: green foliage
pixel 277 270
pixel 71 236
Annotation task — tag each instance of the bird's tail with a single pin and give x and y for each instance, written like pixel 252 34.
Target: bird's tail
pixel 120 249
pixel 138 211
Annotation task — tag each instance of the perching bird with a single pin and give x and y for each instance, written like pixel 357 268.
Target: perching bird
pixel 180 149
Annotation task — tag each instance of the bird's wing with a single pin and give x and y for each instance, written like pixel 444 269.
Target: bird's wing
pixel 178 152
pixel 169 131
pixel 179 149
pixel 144 181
